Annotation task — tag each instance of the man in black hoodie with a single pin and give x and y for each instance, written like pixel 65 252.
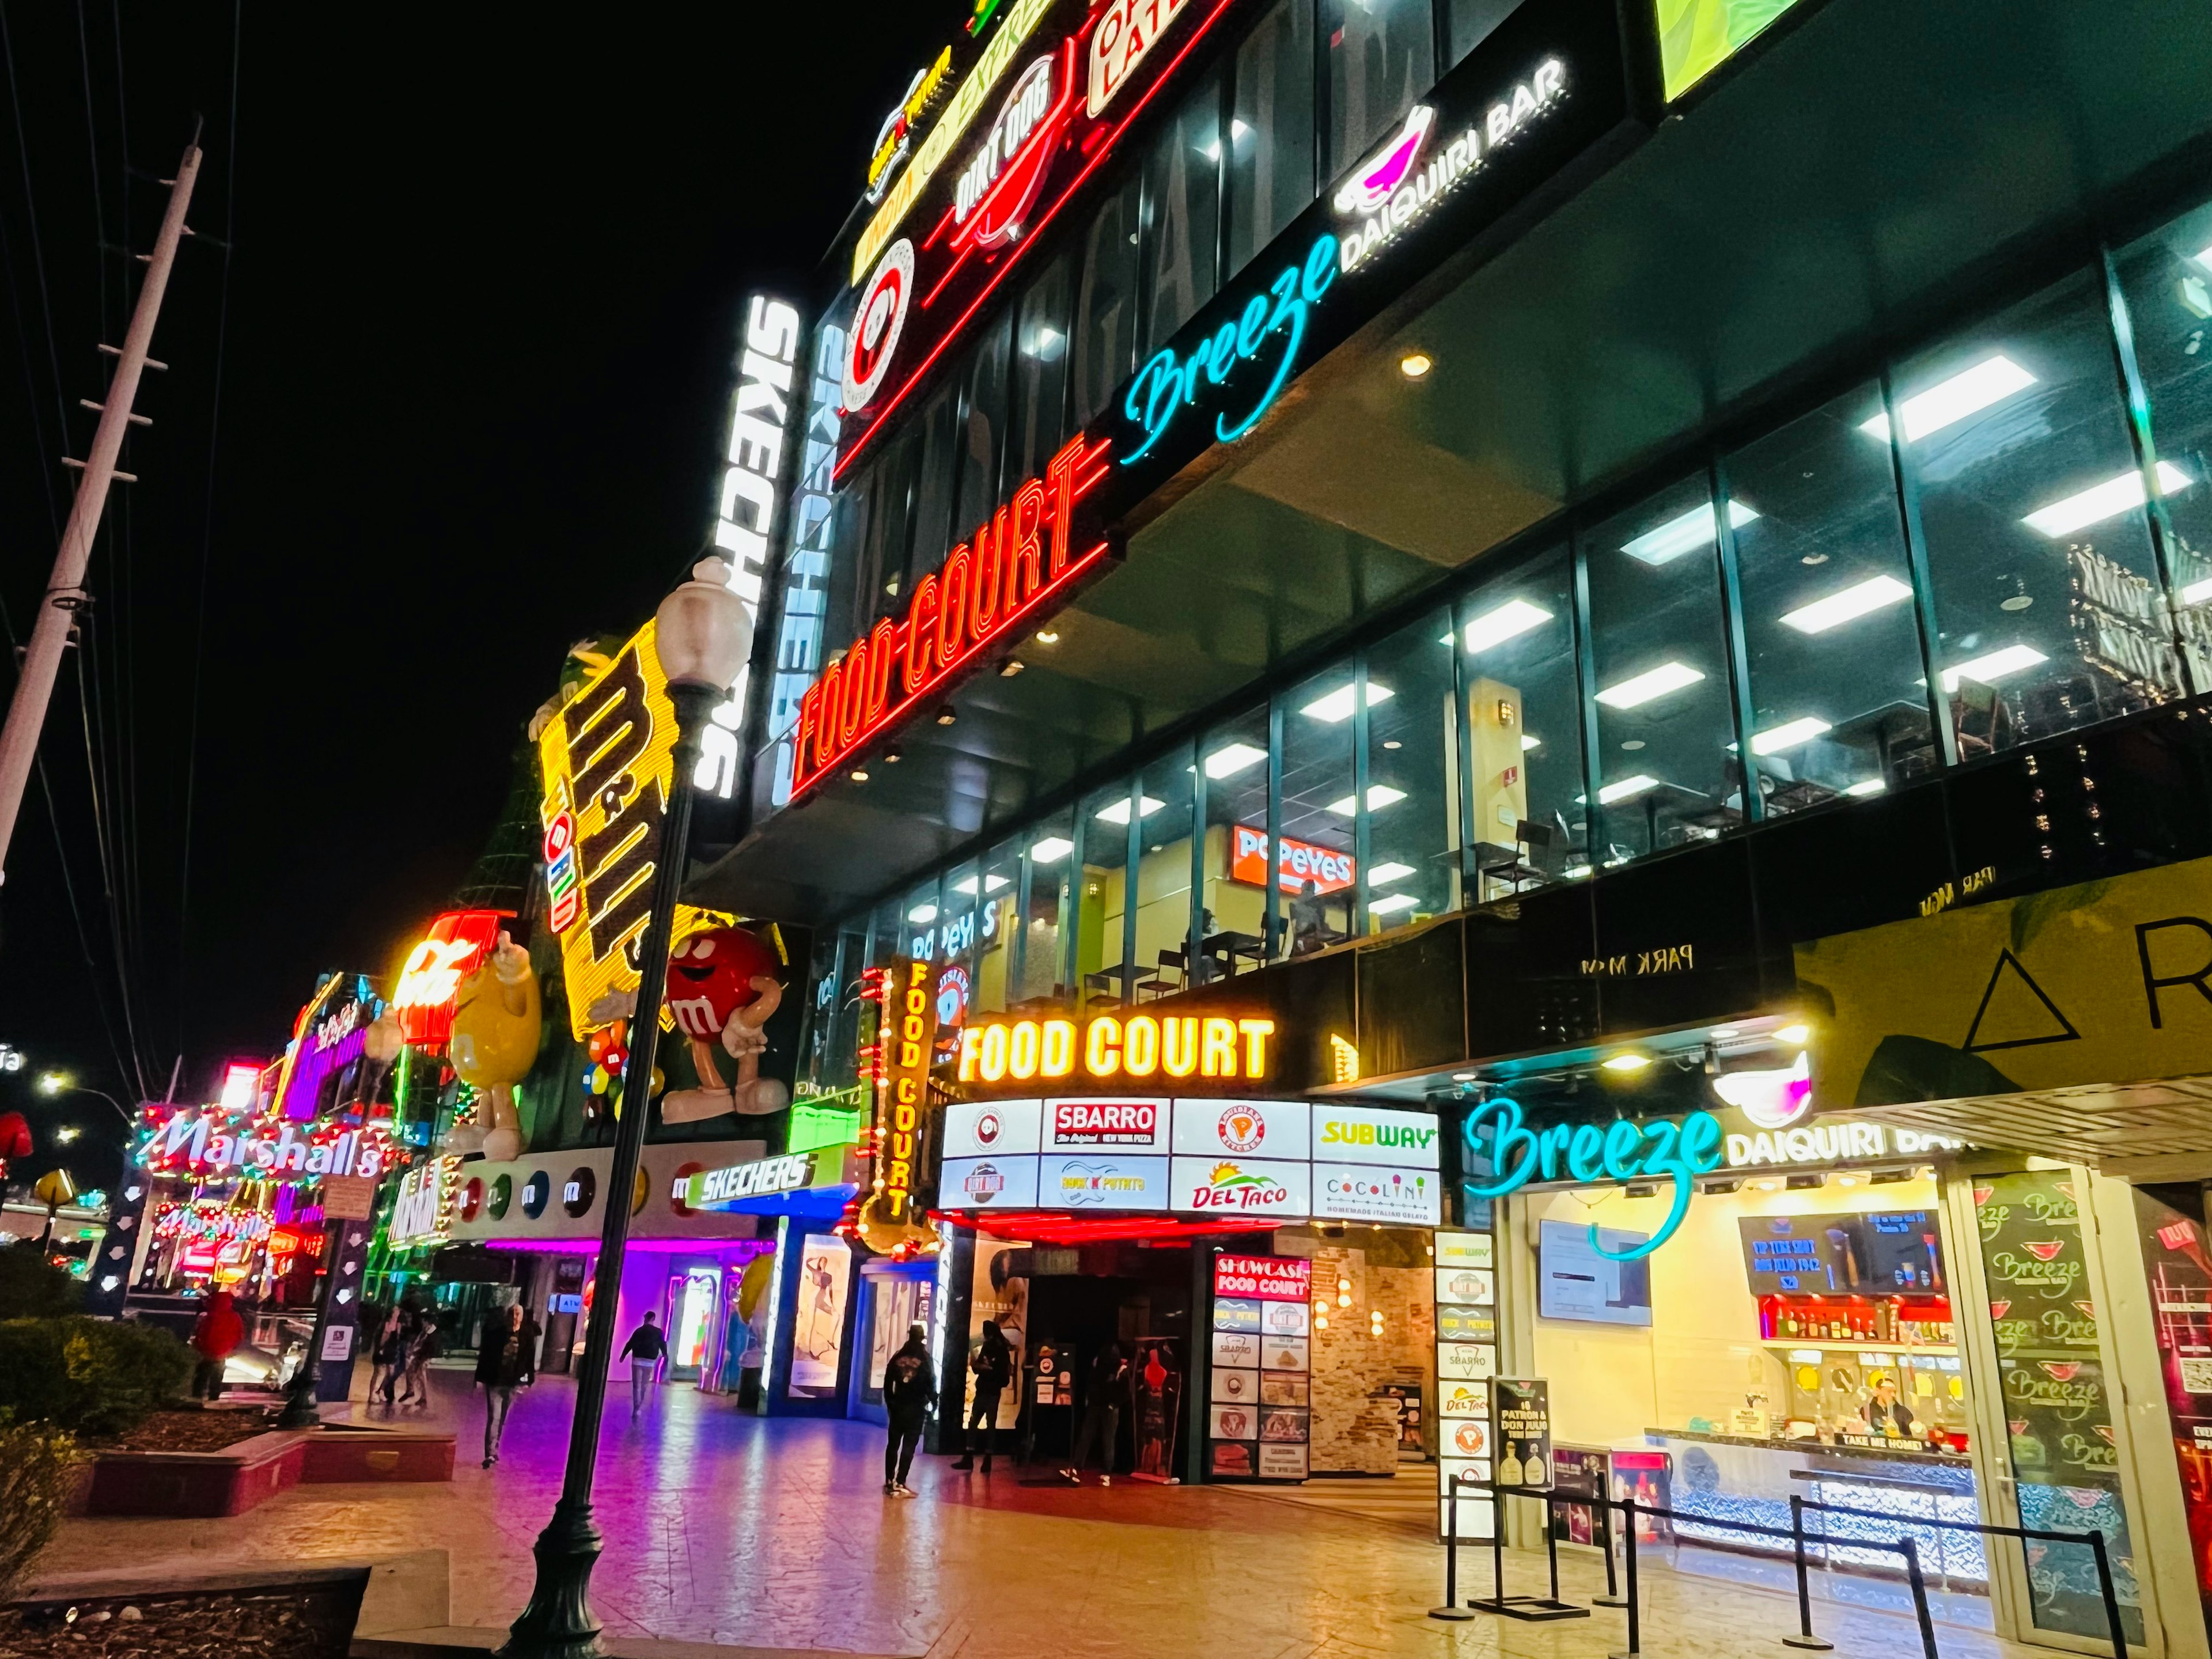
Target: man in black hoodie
pixel 909 1390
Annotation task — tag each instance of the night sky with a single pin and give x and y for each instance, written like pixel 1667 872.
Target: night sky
pixel 485 270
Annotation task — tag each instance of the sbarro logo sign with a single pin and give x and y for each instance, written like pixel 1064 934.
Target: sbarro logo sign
pixel 1109 1122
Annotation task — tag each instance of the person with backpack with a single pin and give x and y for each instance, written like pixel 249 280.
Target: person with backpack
pixel 992 1364
pixel 909 1390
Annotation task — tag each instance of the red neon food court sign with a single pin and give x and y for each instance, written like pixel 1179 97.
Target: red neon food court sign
pixel 1017 563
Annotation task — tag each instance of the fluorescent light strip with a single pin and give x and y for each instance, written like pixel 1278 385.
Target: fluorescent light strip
pixel 1614 793
pixel 923 914
pixel 1788 736
pixel 1051 849
pixel 1528 742
pixel 990 885
pixel 1379 795
pixel 2105 500
pixel 2196 593
pixel 1868 786
pixel 1337 705
pixel 1847 605
pixel 1948 402
pixel 1391 906
pixel 1513 618
pixel 1229 760
pixel 1989 670
pixel 1382 872
pixel 1652 683
pixel 1678 536
pixel 1118 812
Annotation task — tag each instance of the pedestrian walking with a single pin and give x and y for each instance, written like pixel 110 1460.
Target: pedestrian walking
pixel 644 1351
pixel 992 1364
pixel 1102 1413
pixel 216 1333
pixel 424 1344
pixel 909 1391
pixel 507 1361
pixel 388 1358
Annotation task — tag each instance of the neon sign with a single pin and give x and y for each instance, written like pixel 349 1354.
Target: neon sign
pixel 1623 1150
pixel 1000 183
pixel 1169 383
pixel 907 1043
pixel 897 130
pixel 210 1144
pixel 455 948
pixel 1126 31
pixel 986 591
pixel 1141 1045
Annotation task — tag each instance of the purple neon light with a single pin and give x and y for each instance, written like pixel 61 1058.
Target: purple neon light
pixel 714 1247
pixel 307 1080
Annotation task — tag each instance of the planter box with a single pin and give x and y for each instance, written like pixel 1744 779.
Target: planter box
pixel 304 1613
pixel 201 1484
pixel 355 1452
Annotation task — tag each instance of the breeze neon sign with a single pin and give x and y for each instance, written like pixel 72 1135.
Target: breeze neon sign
pixel 1108 1046
pixel 1623 1150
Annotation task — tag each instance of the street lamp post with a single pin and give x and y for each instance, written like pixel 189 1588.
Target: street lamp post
pixel 703 637
pixel 56 1084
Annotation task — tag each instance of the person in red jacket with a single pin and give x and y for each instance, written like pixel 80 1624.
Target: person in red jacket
pixel 218 1330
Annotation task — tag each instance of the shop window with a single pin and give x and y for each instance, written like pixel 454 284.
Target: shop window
pixel 1047 897
pixel 2048 609
pixel 1319 812
pixel 1040 375
pixel 1182 216
pixel 921 923
pixel 888 933
pixel 1412 860
pixel 982 430
pixel 887 532
pixel 1163 869
pixel 1234 910
pixel 2167 280
pixel 1838 689
pixel 1106 304
pixel 1469 23
pixel 994 887
pixel 1524 731
pixel 1382 56
pixel 1101 965
pixel 1667 772
pixel 849 609
pixel 959 926
pixel 1271 130
pixel 935 479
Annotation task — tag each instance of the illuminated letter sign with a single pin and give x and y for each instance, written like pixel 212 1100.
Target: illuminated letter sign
pixel 898 126
pixel 455 948
pixel 906 1041
pixel 1297 863
pixel 1126 31
pixel 1621 1150
pixel 998 186
pixel 986 591
pixel 878 321
pixel 1122 1045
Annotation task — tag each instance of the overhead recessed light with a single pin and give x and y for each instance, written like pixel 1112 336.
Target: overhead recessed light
pixel 1414 364
pixel 1382 872
pixel 1788 735
pixel 1117 812
pixel 1846 605
pixel 1723 1033
pixel 944 714
pixel 1684 533
pixel 1496 626
pixel 2196 593
pixel 1051 849
pixel 1989 670
pixel 1652 683
pixel 1379 795
pixel 966 887
pixel 1627 1062
pixel 1012 667
pixel 1948 401
pixel 859 774
pixel 1792 1033
pixel 1391 906
pixel 893 758
pixel 923 914
pixel 1232 758
pixel 1237 129
pixel 1046 636
pixel 1464 1077
pixel 2101 502
pixel 1868 786
pixel 1627 787
pixel 1392 742
pixel 1337 705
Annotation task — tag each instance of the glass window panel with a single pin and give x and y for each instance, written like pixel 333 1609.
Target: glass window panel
pixel 983 425
pixel 1667 773
pixel 1317 812
pixel 1040 375
pixel 2047 604
pixel 1524 729
pixel 935 480
pixel 996 894
pixel 2167 280
pixel 1182 215
pixel 1382 55
pixel 852 585
pixel 1049 924
pixel 1412 753
pixel 921 919
pixel 888 937
pixel 1106 304
pixel 959 921
pixel 1233 919
pixel 1163 876
pixel 1102 971
pixel 887 527
pixel 1271 130
pixel 1470 22
pixel 841 1018
pixel 1838 691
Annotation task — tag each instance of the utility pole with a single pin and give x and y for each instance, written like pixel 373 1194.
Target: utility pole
pixel 64 595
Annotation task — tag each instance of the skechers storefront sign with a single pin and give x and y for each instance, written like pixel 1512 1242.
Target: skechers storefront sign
pixel 1543 88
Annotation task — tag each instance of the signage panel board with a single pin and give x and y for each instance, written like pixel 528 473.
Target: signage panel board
pixel 988 1183
pixel 992 1129
pixel 1101 1181
pixel 1242 1128
pixel 1362 1192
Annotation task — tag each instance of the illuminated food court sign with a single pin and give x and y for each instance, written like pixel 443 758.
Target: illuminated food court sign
pixel 1117 1046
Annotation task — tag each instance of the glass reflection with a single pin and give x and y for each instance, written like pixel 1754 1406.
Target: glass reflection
pixel 1524 729
pixel 1412 747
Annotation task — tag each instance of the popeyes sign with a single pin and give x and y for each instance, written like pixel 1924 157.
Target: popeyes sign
pixel 1297 863
pixel 1020 561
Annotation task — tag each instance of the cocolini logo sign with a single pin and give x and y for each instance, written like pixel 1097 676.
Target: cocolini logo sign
pixel 1622 1150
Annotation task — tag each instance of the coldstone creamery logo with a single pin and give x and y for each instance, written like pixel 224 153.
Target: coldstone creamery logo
pixel 1229 1186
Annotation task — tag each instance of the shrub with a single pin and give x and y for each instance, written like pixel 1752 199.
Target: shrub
pixel 35 1487
pixel 31 1287
pixel 90 1377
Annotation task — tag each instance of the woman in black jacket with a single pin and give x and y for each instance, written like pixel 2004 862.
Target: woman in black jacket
pixel 507 1361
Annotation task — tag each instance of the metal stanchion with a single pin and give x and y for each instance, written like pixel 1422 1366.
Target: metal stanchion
pixel 1804 1638
pixel 1634 1649
pixel 1530 1608
pixel 2111 1594
pixel 1919 1595
pixel 1611 1598
pixel 1451 1608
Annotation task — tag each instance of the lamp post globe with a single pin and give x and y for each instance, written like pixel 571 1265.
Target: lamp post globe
pixel 700 633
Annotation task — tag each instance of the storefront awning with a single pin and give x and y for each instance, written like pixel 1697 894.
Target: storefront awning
pixel 2100 1124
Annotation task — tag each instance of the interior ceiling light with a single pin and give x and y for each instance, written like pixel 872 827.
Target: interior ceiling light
pixel 1051 849
pixel 1849 604
pixel 1382 872
pixel 1868 786
pixel 1230 759
pixel 1391 906
pixel 1496 627
pixel 2197 591
pixel 1337 705
pixel 1652 683
pixel 1788 735
pixel 1691 531
pixel 1117 812
pixel 1414 364
pixel 923 914
pixel 1379 795
pixel 944 714
pixel 1627 1062
pixel 989 885
pixel 1792 1033
pixel 1948 401
pixel 1626 787
pixel 2203 257
pixel 1046 636
pixel 859 774
pixel 1528 742
pixel 1012 667
pixel 1989 670
pixel 2105 500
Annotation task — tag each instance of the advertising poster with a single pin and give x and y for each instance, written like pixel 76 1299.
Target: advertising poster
pixel 1260 1310
pixel 1235 1350
pixel 1285 1318
pixel 1584 1472
pixel 996 1293
pixel 1521 1432
pixel 1466 1287
pixel 1649 1478
pixel 1239 1387
pixel 2179 1267
pixel 1159 1407
pixel 1403 1198
pixel 1266 1278
pixel 825 1280
pixel 1463 1400
pixel 1412 1417
pixel 1464 1250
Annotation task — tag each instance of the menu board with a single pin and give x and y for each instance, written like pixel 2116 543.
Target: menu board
pixel 2058 1412
pixel 2180 1270
pixel 1260 1400
pixel 1466 1359
pixel 1872 1253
